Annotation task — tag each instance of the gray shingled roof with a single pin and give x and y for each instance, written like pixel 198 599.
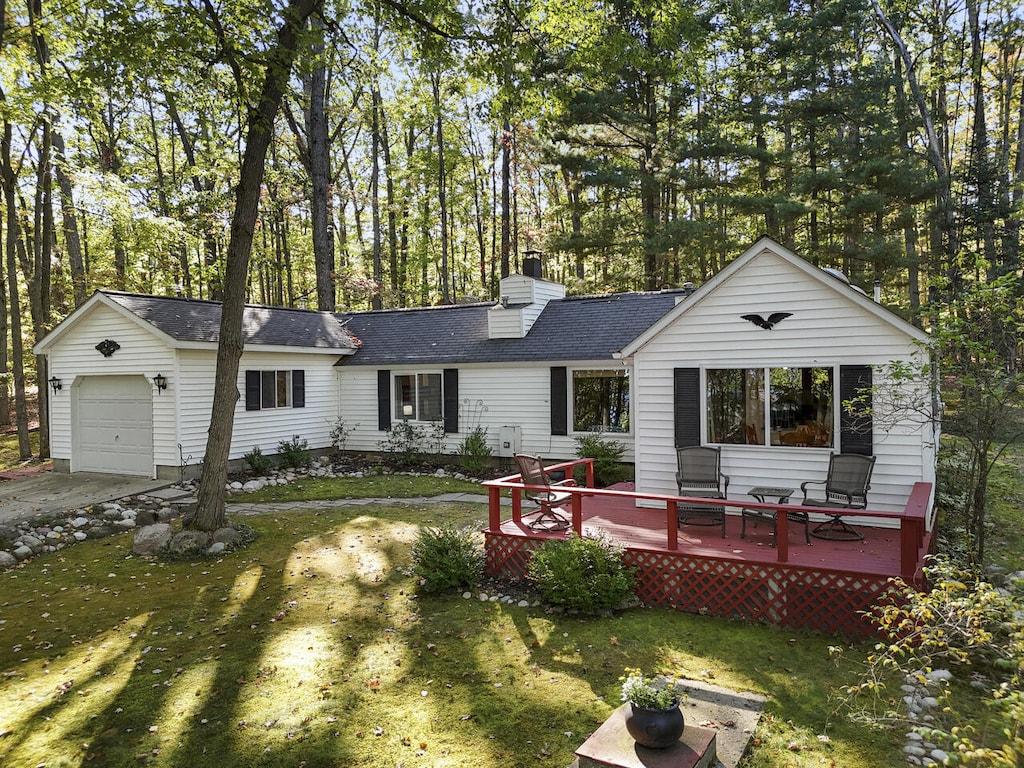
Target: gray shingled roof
pixel 573 328
pixel 195 320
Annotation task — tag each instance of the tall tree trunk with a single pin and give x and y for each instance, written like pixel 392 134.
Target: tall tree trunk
pixel 320 174
pixel 506 198
pixel 5 383
pixel 378 277
pixel 69 217
pixel 210 512
pixel 9 181
pixel 442 197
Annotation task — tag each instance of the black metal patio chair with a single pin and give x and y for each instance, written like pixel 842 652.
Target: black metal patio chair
pixel 846 487
pixel 699 473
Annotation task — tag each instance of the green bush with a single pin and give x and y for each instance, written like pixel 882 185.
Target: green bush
pixel 405 443
pixel 585 573
pixel 446 558
pixel 294 452
pixel 972 632
pixel 340 433
pixel 474 450
pixel 607 455
pixel 257 462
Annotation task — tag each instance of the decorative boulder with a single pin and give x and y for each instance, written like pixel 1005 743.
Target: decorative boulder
pixel 150 539
pixel 189 541
pixel 225 535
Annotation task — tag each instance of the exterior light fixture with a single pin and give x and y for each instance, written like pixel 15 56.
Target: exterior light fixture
pixel 160 381
pixel 55 383
pixel 407 411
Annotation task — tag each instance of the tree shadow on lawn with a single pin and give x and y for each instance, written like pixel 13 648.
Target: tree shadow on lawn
pixel 313 648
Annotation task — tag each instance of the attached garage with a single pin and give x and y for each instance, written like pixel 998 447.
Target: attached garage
pixel 112 429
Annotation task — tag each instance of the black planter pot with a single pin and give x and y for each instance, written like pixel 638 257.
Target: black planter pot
pixel 654 728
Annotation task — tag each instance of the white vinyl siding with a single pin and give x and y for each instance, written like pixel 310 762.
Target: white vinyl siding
pixel 825 329
pixel 140 354
pixel 505 395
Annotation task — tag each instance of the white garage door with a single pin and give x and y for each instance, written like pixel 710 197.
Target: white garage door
pixel 114 425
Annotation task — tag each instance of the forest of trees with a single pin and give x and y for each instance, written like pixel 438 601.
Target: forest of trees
pixel 422 147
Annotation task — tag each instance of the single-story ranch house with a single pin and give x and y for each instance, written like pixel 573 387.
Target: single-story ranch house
pixel 758 361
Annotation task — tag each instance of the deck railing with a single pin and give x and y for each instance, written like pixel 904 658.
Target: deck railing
pixel 913 520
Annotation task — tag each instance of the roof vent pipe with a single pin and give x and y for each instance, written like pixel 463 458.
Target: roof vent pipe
pixel 532 264
pixel 878 292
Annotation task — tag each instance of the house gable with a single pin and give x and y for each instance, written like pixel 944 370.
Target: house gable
pixel 763 276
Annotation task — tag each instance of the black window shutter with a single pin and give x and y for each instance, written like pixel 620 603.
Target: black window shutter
pixel 298 389
pixel 559 401
pixel 383 400
pixel 450 386
pixel 253 382
pixel 855 429
pixel 686 399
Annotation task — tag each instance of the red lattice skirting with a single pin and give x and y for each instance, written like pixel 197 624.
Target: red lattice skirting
pixel 824 601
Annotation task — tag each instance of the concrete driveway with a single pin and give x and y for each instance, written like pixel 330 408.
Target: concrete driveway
pixel 58 492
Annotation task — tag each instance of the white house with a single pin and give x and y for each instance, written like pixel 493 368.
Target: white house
pixel 536 370
pixel 133 382
pixel 772 397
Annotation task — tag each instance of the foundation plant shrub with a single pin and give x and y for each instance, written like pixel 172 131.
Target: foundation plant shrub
pixel 407 444
pixel 474 451
pixel 446 558
pixel 294 453
pixel 584 573
pixel 607 455
pixel 976 632
pixel 258 463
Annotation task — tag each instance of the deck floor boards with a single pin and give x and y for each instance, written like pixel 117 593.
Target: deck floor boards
pixel 643 528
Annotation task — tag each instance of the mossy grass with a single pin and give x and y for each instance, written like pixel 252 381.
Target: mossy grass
pixel 394 486
pixel 10 455
pixel 312 647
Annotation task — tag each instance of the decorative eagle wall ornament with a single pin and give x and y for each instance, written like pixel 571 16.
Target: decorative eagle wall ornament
pixel 773 319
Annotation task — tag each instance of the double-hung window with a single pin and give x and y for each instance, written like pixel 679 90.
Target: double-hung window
pixel 418 396
pixel 266 389
pixel 785 406
pixel 600 400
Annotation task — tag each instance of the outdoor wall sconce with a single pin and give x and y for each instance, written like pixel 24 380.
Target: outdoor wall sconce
pixel 55 383
pixel 160 381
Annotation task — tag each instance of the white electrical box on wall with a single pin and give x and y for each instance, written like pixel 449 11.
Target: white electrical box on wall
pixel 510 441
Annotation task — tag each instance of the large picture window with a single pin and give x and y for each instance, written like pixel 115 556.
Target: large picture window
pixel 418 396
pixel 600 401
pixel 795 404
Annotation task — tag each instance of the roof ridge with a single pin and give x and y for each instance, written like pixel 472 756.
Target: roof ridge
pixel 211 302
pixel 390 310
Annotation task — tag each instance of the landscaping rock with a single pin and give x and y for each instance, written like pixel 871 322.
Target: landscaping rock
pixel 217 548
pixel 225 536
pixel 150 539
pixel 7 560
pixel 22 553
pixel 189 541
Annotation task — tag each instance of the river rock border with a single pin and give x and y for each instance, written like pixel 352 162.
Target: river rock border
pixel 150 517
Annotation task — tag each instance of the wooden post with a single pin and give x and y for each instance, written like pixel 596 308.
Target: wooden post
pixel 911 531
pixel 577 513
pixel 781 535
pixel 517 506
pixel 672 519
pixel 493 508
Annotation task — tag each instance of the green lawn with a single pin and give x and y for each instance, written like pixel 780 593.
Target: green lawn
pixel 311 648
pixel 10 455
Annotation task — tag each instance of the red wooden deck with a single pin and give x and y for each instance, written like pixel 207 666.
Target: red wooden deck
pixel 823 586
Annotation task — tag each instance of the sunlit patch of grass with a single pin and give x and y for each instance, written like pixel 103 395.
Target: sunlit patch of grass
pixel 312 647
pixel 10 453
